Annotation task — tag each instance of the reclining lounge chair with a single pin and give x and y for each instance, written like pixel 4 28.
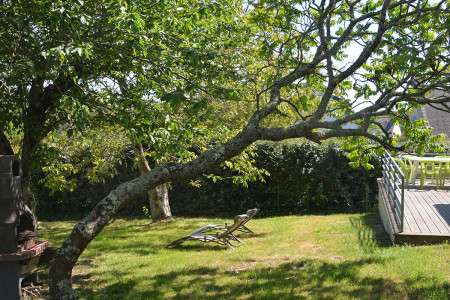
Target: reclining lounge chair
pixel 250 214
pixel 216 234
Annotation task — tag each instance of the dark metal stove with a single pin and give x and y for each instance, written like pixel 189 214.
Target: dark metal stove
pixel 19 245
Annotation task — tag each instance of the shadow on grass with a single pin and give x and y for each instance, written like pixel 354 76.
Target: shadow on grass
pixel 77 277
pixel 194 247
pixel 371 233
pixel 304 279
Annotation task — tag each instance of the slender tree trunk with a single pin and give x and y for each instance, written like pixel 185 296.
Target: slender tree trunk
pixel 28 147
pixel 28 195
pixel 159 204
pixel 158 197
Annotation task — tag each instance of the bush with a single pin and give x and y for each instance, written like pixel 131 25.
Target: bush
pixel 304 178
pixel 86 195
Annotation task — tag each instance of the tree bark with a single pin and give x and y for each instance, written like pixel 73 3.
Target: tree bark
pixel 158 197
pixel 159 204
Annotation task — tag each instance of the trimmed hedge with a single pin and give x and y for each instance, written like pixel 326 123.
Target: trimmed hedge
pixel 304 179
pixel 76 204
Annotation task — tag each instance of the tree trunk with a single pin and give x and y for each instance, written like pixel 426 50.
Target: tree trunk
pixel 159 204
pixel 30 140
pixel 28 195
pixel 158 197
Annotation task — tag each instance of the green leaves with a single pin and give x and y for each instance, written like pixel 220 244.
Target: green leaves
pixel 93 154
pixel 11 81
pixel 175 74
pixel 56 179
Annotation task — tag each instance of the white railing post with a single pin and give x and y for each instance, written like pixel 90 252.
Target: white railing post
pixel 402 216
pixel 394 183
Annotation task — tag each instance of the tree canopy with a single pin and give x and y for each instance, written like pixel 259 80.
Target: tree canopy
pixel 65 62
pixel 72 66
pixel 288 65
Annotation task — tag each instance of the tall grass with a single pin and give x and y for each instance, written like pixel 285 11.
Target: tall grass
pixel 295 257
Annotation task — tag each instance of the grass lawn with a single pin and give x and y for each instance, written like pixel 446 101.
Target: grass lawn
pixel 295 257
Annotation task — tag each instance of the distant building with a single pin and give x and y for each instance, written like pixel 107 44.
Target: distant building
pixel 438 116
pixel 391 127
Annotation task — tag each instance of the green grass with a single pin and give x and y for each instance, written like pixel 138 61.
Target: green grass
pixel 295 257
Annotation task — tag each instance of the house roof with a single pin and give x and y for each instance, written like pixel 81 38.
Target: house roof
pixel 437 115
pixel 387 124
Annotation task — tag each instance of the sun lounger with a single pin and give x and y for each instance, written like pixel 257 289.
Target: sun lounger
pixel 250 214
pixel 215 234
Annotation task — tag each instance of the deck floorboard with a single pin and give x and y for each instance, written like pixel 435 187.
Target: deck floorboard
pixel 427 211
pixel 435 203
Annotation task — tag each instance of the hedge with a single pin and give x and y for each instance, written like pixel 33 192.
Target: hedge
pixel 305 179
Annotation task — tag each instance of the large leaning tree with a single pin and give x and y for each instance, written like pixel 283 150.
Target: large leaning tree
pixel 63 66
pixel 315 65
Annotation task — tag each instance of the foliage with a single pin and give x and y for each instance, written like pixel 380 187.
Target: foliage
pixel 303 179
pixel 98 73
pixel 73 65
pixel 95 154
pixel 146 212
pixel 15 136
pixel 64 203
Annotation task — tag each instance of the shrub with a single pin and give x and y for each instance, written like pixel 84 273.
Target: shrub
pixel 304 178
pixel 76 204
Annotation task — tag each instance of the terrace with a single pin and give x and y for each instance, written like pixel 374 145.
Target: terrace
pixel 411 214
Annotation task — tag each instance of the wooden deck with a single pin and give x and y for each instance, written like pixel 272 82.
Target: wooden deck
pixel 427 216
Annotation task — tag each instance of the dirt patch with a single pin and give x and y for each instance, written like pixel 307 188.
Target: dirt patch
pixel 243 267
pixel 302 245
pixel 316 247
pixel 277 258
pixel 269 261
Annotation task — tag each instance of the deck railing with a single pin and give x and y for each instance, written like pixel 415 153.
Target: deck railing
pixel 394 183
